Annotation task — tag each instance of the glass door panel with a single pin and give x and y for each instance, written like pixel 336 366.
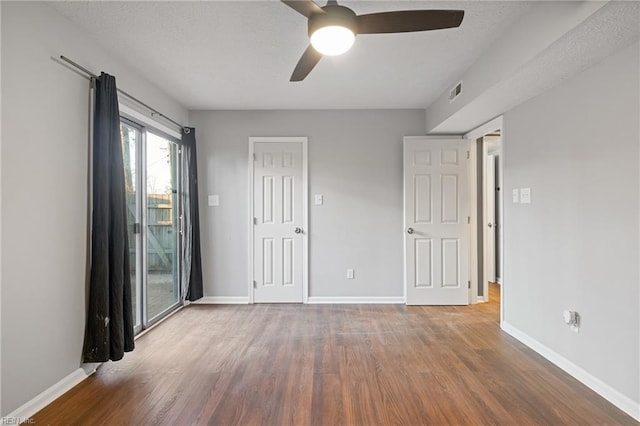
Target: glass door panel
pixel 131 137
pixel 161 225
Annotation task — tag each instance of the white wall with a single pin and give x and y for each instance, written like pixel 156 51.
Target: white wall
pixel 576 245
pixel 355 161
pixel 44 193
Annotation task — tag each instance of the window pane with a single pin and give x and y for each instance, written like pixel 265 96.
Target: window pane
pixel 130 137
pixel 162 232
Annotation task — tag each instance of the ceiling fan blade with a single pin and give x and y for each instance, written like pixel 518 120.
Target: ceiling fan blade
pixel 309 59
pixel 304 7
pixel 408 21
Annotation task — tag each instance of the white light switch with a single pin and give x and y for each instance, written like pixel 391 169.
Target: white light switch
pixel 350 274
pixel 214 200
pixel 525 195
pixel 319 199
pixel 516 195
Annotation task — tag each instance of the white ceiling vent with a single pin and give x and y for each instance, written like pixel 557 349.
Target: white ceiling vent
pixel 455 92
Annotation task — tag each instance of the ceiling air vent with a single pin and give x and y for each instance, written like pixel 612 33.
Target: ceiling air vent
pixel 455 92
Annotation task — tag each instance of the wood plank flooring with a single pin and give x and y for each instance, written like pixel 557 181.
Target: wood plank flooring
pixel 331 365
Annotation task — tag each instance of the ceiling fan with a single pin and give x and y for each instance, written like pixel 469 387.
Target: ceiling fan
pixel 333 28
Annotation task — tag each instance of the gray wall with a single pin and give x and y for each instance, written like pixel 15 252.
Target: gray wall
pixel 355 161
pixel 576 245
pixel 44 193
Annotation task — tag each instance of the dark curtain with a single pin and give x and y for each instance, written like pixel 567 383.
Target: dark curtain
pixel 109 328
pixel 191 257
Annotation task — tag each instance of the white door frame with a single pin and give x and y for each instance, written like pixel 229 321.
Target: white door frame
pixel 305 212
pixel 490 126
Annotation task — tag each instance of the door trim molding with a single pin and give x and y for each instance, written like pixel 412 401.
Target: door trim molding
pixel 305 212
pixel 485 128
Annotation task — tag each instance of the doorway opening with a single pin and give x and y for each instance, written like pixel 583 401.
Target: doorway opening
pixel 491 212
pixel 489 198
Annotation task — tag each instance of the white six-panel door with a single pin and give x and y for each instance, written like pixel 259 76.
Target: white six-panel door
pixel 278 216
pixel 436 221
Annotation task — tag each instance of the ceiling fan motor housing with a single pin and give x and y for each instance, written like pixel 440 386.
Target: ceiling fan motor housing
pixel 334 15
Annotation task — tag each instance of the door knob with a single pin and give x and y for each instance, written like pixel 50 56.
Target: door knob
pixel 298 231
pixel 491 225
pixel 409 230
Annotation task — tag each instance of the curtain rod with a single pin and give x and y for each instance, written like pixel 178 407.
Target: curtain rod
pixel 133 98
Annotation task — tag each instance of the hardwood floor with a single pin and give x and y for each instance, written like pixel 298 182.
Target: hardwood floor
pixel 331 365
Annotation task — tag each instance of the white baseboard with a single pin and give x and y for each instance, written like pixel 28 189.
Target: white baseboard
pixel 221 300
pixel 356 300
pixel 621 401
pixel 30 408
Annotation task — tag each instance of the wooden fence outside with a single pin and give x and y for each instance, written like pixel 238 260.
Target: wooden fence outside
pixel 161 232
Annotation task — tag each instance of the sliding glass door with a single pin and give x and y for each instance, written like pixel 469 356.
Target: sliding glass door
pixel 151 178
pixel 162 225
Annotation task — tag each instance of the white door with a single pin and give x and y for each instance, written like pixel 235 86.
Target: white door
pixel 436 221
pixel 490 219
pixel 279 219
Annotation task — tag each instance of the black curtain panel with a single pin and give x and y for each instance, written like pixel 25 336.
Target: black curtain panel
pixel 191 257
pixel 109 328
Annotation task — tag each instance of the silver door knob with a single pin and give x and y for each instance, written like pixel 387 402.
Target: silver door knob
pixel 298 231
pixel 409 230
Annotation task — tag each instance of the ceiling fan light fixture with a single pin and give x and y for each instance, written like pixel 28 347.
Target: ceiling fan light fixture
pixel 332 28
pixel 333 31
pixel 332 40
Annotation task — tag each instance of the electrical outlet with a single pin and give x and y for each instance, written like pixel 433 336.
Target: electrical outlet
pixel 350 274
pixel 525 195
pixel 319 199
pixel 572 319
pixel 213 200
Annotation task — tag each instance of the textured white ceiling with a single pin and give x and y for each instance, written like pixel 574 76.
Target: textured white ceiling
pixel 613 27
pixel 240 54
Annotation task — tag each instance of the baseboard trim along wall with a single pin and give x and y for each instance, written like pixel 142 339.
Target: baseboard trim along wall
pixel 621 401
pixel 356 300
pixel 30 408
pixel 221 300
pixel 224 300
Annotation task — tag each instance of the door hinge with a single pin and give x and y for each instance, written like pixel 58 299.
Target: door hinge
pixel 469 284
pixel 469 219
pixel 137 228
pixel 468 155
pixel 255 220
pixel 255 284
pixel 255 157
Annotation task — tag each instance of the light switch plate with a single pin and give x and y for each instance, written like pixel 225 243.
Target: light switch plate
pixel 350 274
pixel 516 195
pixel 214 200
pixel 525 195
pixel 319 199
